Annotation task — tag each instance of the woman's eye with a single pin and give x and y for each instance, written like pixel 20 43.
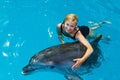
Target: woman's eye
pixel 67 24
pixel 72 26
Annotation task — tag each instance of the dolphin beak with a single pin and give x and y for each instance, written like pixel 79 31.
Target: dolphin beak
pixel 27 70
pixel 23 73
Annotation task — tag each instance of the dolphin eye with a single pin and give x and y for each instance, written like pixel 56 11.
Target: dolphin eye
pixel 52 67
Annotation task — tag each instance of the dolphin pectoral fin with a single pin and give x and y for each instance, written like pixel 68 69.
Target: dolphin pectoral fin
pixel 73 77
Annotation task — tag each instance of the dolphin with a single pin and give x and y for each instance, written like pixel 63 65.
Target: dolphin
pixel 59 58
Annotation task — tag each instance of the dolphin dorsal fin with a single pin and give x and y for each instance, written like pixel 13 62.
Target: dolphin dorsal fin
pixel 97 39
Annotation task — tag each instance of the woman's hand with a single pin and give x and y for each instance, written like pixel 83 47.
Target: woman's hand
pixel 78 63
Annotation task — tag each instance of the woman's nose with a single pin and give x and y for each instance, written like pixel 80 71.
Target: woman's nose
pixel 68 27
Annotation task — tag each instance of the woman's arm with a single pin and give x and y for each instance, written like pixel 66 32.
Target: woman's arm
pixel 59 33
pixel 88 52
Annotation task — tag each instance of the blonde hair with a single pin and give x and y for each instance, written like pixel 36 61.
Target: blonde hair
pixel 71 17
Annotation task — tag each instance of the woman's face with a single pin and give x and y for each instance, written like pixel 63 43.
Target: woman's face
pixel 69 26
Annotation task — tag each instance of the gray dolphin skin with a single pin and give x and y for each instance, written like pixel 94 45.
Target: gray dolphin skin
pixel 59 59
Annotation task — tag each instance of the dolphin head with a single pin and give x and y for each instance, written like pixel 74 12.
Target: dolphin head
pixel 37 62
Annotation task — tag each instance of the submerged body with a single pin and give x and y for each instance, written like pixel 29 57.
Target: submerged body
pixel 60 59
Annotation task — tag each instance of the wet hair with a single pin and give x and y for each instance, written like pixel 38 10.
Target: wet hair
pixel 71 17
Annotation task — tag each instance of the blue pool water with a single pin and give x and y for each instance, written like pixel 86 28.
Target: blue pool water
pixel 28 26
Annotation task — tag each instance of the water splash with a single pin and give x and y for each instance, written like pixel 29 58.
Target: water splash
pixel 50 32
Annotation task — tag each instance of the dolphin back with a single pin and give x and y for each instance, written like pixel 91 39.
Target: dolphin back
pixel 61 54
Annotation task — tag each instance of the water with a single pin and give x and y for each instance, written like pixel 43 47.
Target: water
pixel 28 26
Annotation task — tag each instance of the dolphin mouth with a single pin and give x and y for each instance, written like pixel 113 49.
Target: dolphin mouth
pixel 23 73
pixel 26 73
pixel 27 70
